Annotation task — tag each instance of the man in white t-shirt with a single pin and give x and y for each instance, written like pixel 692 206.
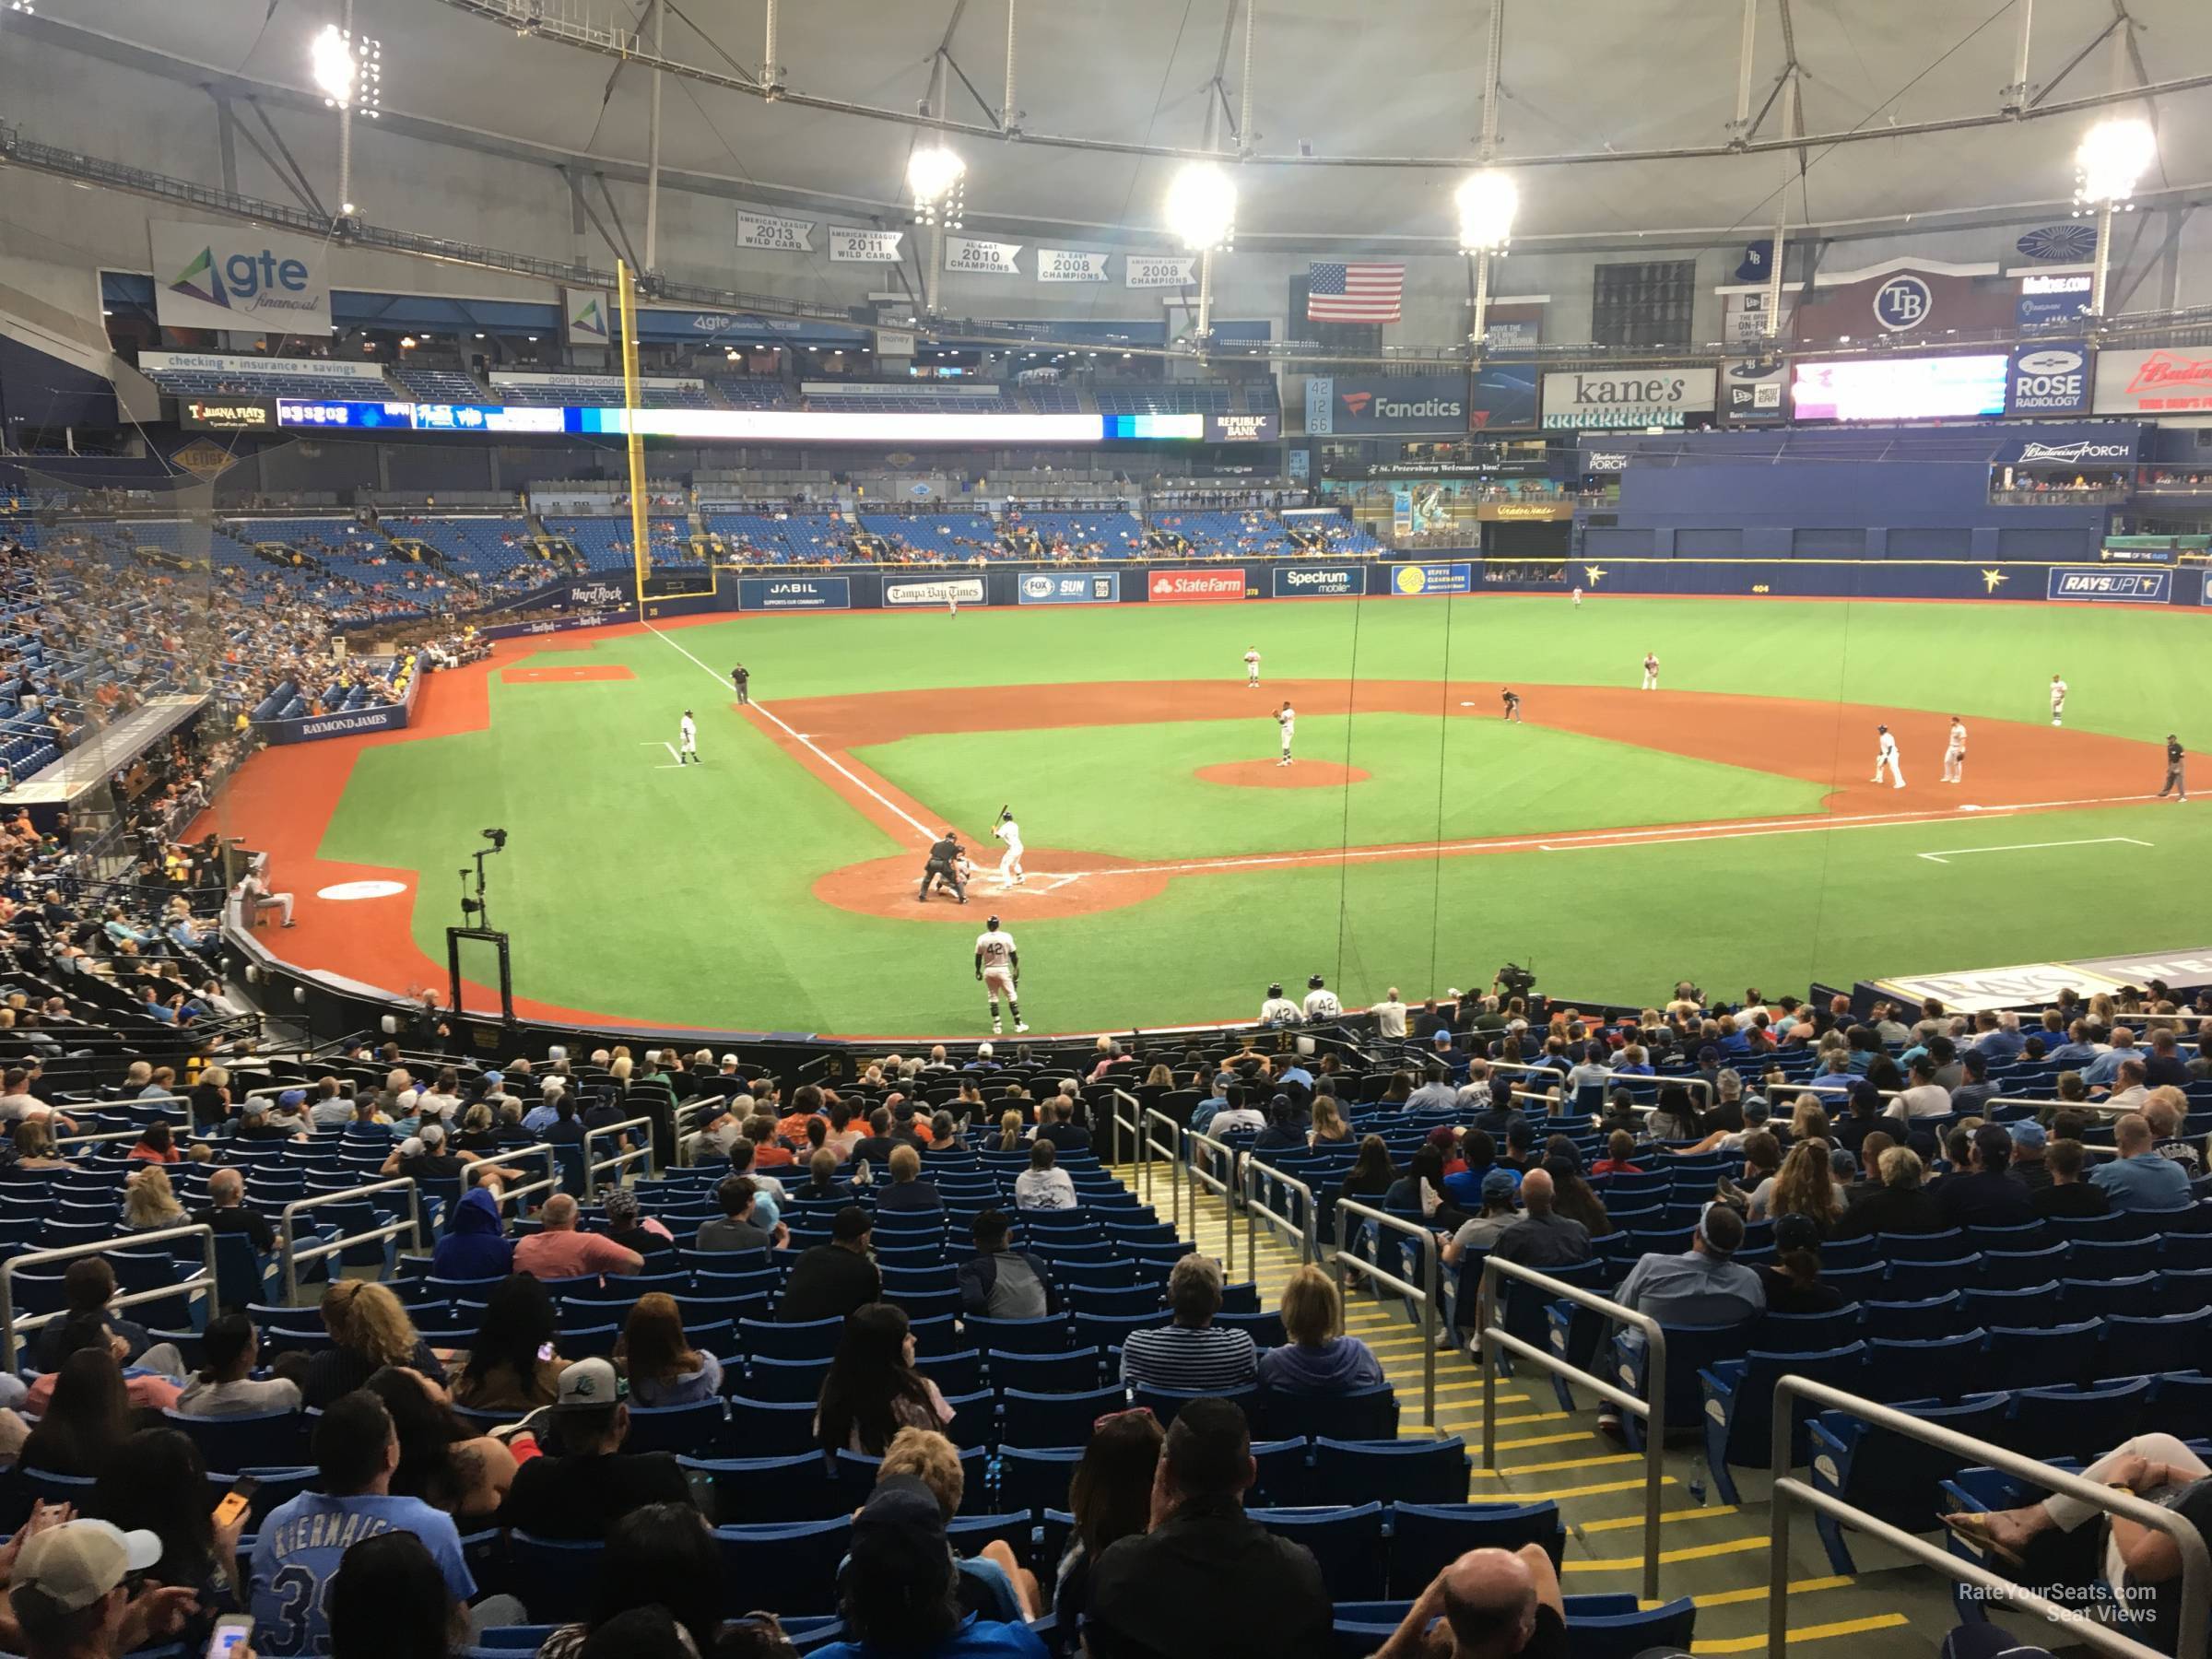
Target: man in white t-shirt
pixel 998 965
pixel 1287 718
pixel 1390 1017
pixel 1252 668
pixel 2058 701
pixel 1045 1186
pixel 1321 1002
pixel 1885 759
pixel 1925 1097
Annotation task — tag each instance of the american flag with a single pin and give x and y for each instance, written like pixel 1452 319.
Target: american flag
pixel 1354 293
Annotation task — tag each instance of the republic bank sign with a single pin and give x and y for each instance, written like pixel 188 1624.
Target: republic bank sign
pixel 1598 400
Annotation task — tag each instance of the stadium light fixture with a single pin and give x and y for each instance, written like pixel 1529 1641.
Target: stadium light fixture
pixel 936 177
pixel 2112 160
pixel 331 60
pixel 1487 202
pixel 1202 207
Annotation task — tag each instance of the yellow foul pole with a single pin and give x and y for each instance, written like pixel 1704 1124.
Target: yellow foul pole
pixel 641 533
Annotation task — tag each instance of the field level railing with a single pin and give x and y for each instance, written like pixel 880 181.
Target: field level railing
pixel 1425 1294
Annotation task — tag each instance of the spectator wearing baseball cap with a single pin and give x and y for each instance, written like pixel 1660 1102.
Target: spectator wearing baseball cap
pixel 69 1593
pixel 899 1589
pixel 594 1483
pixel 829 1280
pixel 630 1226
pixel 2029 1139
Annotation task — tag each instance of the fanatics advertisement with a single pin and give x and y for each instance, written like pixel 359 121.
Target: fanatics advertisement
pixel 1598 400
pixel 940 590
pixel 1338 407
pixel 1060 587
pixel 2124 587
pixel 2048 380
pixel 1424 579
pixel 1164 587
pixel 794 593
pixel 2155 382
pixel 238 278
pixel 1319 582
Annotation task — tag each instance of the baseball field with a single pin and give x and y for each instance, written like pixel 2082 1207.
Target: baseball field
pixel 1723 828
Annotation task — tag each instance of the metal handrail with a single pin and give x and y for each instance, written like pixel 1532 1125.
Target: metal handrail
pixel 620 1160
pixel 1425 1292
pixel 548 1182
pixel 1789 1492
pixel 2089 1108
pixel 11 1327
pixel 287 1222
pixel 106 1134
pixel 1171 1149
pixel 1309 1235
pixel 1132 1123
pixel 1657 1079
pixel 1651 1407
pixel 1223 1186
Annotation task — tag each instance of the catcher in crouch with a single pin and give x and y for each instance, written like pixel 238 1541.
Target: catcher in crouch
pixel 946 854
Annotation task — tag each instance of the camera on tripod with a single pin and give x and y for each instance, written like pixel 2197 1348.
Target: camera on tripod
pixel 1515 980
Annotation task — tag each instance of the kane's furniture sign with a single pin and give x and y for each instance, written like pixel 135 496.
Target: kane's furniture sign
pixel 937 590
pixel 1062 587
pixel 1601 399
pixel 238 278
pixel 2155 382
pixel 2121 587
pixel 1162 587
pixel 1319 582
pixel 1425 581
pixel 794 593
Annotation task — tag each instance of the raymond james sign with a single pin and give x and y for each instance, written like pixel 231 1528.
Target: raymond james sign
pixel 1593 400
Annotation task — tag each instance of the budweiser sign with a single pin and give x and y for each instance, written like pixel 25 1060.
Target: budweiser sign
pixel 2153 382
pixel 2162 370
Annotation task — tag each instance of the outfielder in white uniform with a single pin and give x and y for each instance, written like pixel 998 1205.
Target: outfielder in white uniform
pixel 688 746
pixel 1252 668
pixel 998 965
pixel 1578 598
pixel 1009 863
pixel 1287 717
pixel 1650 672
pixel 2058 701
pixel 1953 754
pixel 1885 759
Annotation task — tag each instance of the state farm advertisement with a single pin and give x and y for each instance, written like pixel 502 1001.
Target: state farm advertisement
pixel 2165 382
pixel 1164 587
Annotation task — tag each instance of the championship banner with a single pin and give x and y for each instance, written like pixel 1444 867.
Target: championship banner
pixel 1164 587
pixel 982 258
pixel 1059 588
pixel 2123 587
pixel 1152 271
pixel 777 235
pixel 1070 264
pixel 794 593
pixel 863 247
pixel 226 414
pixel 238 278
pixel 585 316
pixel 1420 580
pixel 1318 582
pixel 935 591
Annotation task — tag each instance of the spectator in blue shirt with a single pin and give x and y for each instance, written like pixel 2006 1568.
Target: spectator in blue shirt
pixel 2079 1049
pixel 900 1589
pixel 2139 1179
pixel 2000 1040
pixel 540 1117
pixel 2100 1071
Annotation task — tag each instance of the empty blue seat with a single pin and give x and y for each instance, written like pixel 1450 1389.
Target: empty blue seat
pixel 1739 1403
pixel 762 1492
pixel 1942 1368
pixel 2070 1423
pixel 1036 1480
pixel 554 1577
pixel 265 1440
pixel 789 1567
pixel 2092 1298
pixel 1047 1335
pixel 2063 1353
pixel 2134 1344
pixel 1347 1542
pixel 814 1340
pixel 786 1379
pixel 1045 1373
pixel 1891 1476
pixel 769 1428
pixel 1425 1538
pixel 1350 1472
pixel 698 1430
pixel 1363 1413
pixel 1056 1419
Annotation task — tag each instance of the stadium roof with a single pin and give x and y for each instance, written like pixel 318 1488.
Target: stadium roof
pixel 1393 78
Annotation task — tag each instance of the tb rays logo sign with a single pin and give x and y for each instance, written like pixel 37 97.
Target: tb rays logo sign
pixel 1902 302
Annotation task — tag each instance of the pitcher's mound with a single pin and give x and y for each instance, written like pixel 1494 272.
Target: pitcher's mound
pixel 1269 774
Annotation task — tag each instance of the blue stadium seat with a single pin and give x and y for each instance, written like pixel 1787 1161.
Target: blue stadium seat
pixel 1056 1420
pixel 1364 1414
pixel 1045 1373
pixel 265 1440
pixel 1891 1476
pixel 1347 1542
pixel 773 1428
pixel 786 1379
pixel 698 1430
pixel 1350 1472
pixel 1939 1368
pixel 2084 1423
pixel 1425 1538
pixel 789 1567
pixel 1036 1480
pixel 1739 1401
pixel 555 1578
pixel 761 1491
pixel 2065 1353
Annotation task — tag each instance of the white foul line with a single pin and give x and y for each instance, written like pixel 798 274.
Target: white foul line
pixel 921 829
pixel 2101 840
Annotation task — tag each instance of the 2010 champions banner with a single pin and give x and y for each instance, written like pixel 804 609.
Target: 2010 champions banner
pixel 1068 587
pixel 982 258
pixel 935 589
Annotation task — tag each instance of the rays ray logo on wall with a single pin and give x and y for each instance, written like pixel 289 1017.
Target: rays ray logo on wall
pixel 242 279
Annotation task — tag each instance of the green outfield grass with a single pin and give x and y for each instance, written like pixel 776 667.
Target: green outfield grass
pixel 684 896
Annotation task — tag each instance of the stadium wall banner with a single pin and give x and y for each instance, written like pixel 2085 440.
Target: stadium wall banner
pixel 1244 429
pixel 937 589
pixel 1152 271
pixel 2054 297
pixel 313 728
pixel 777 235
pixel 586 315
pixel 599 593
pixel 1166 587
pixel 209 362
pixel 1426 581
pixel 848 246
pixel 2049 378
pixel 226 414
pixel 2205 597
pixel 552 625
pixel 1597 400
pixel 2108 586
pixel 1317 582
pixel 238 278
pixel 794 593
pixel 978 257
pixel 2111 446
pixel 2154 382
pixel 1340 407
pixel 1070 264
pixel 1754 393
pixel 1062 587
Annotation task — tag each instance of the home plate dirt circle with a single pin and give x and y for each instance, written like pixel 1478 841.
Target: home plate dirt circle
pixel 1273 774
pixel 1060 882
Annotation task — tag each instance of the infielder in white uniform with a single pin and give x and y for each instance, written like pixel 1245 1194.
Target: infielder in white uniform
pixel 688 746
pixel 1009 863
pixel 1252 668
pixel 1650 672
pixel 1953 754
pixel 1285 717
pixel 2058 701
pixel 1885 758
pixel 998 965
